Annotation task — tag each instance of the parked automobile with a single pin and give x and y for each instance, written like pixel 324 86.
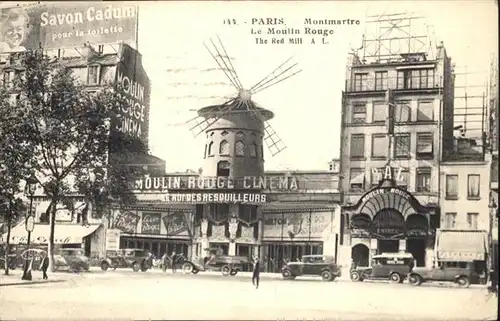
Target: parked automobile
pixel 462 273
pixel 227 264
pixel 321 265
pixel 137 259
pixel 72 259
pixel 386 266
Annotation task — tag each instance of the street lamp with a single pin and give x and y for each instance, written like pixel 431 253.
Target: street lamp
pixel 30 222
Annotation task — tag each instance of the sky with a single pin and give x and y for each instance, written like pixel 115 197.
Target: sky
pixel 307 106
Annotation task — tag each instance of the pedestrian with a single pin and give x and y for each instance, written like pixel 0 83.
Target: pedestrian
pixel 256 272
pixel 173 258
pixel 44 265
pixel 164 262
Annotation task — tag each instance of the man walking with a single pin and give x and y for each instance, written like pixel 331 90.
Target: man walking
pixel 45 265
pixel 174 262
pixel 256 272
pixel 164 262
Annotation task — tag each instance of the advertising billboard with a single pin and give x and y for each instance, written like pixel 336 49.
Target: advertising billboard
pixel 133 118
pixel 54 25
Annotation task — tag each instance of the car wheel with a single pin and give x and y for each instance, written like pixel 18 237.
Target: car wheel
pixel 287 274
pixel 144 267
pixel 415 279
pixel 114 269
pixel 195 271
pixel 104 266
pixel 326 276
pixel 226 270
pixel 463 282
pixel 355 277
pixel 136 267
pixel 187 268
pixel 395 277
pixel 233 272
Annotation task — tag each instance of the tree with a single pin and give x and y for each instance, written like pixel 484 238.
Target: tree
pixel 67 127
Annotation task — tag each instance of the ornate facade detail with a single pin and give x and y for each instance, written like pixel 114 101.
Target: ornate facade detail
pixel 233 227
pixel 204 227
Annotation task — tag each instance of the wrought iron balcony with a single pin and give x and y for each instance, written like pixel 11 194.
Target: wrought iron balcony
pixel 372 84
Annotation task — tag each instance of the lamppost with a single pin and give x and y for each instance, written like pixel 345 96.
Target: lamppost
pixel 493 267
pixel 29 223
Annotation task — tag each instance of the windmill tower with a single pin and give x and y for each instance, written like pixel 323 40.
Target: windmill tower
pixel 237 130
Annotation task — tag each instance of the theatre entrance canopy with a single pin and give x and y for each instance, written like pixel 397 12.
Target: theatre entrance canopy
pixel 389 212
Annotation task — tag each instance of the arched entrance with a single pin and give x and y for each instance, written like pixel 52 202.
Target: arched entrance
pixel 360 255
pixel 416 232
pixel 388 229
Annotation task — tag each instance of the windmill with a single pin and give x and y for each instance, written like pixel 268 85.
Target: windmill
pixel 242 101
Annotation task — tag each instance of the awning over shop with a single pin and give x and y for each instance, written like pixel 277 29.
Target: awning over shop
pixel 462 246
pixel 63 234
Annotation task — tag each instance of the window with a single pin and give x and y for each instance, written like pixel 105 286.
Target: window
pixel 402 112
pixel 248 213
pixel 357 179
pixel 360 82
pixel 379 111
pixel 424 179
pixel 358 113
pixel 239 148
pixel 253 150
pixel 219 212
pixel 472 220
pixel 473 186
pixel 452 186
pixel 262 151
pixel 381 80
pixel 211 149
pixel 224 133
pixel 402 146
pixel 450 219
pixel 93 75
pixel 376 176
pixel 416 79
pixel 404 180
pixel 224 148
pixel 379 146
pixel 205 153
pixel 240 135
pixel 358 146
pixel 223 168
pixel 425 111
pixel 425 146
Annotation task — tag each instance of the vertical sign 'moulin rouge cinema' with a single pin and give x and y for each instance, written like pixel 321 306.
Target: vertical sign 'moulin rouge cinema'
pixel 133 118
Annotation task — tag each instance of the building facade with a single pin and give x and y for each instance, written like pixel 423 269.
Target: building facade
pixel 392 179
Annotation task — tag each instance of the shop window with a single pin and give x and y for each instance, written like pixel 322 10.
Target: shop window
pixel 425 148
pixel 248 213
pixel 379 111
pixel 253 150
pixel 224 148
pixel 402 112
pixel 451 186
pixel 211 149
pixel 381 80
pixel 359 113
pixel 425 111
pixel 402 146
pixel 473 181
pixel 357 179
pixel 472 220
pixel 357 146
pixel 223 168
pixel 379 146
pixel 239 148
pixel 423 180
pixel 93 75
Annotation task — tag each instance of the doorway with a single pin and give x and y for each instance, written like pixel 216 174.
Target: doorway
pixel 387 246
pixel 417 248
pixel 243 250
pixel 360 255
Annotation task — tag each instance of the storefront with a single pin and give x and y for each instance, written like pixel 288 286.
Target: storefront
pixel 293 230
pixel 389 219
pixel 463 246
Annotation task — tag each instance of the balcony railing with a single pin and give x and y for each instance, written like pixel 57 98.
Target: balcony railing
pixel 368 84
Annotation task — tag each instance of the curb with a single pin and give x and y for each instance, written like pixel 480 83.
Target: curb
pixel 31 282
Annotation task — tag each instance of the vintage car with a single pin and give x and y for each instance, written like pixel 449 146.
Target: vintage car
pixel 321 265
pixel 72 259
pixel 386 266
pixel 137 259
pixel 227 264
pixel 462 273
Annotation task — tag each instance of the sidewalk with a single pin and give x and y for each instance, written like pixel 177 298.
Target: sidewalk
pixel 14 278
